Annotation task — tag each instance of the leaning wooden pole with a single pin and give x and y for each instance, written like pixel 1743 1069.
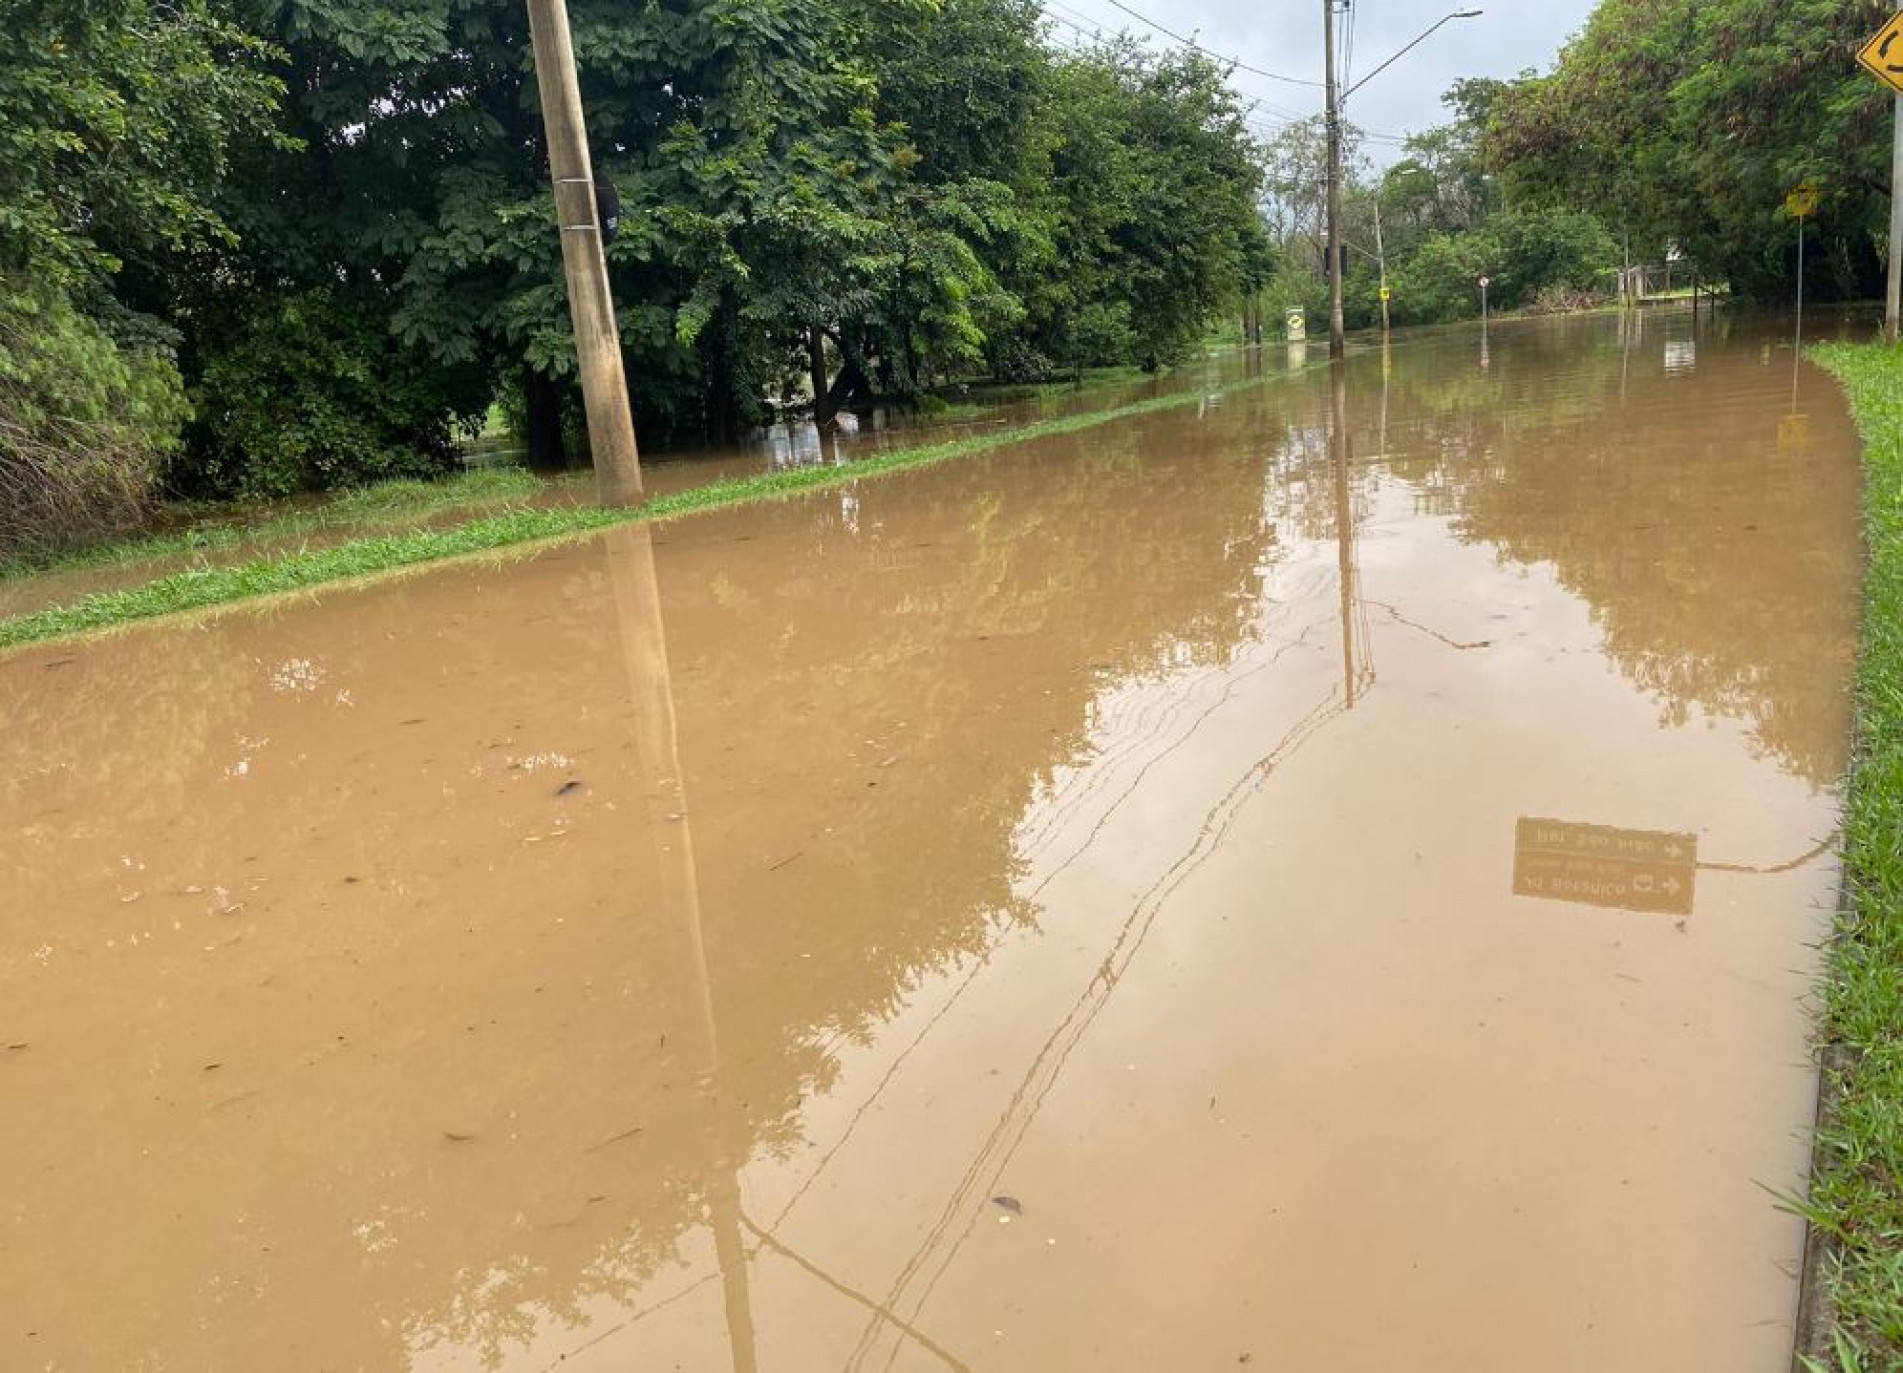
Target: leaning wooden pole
pixel 604 385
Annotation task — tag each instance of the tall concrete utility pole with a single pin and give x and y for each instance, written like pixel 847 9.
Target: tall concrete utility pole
pixel 1337 328
pixel 604 385
pixel 1337 332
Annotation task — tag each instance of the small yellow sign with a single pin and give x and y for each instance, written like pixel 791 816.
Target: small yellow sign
pixel 1803 202
pixel 1883 56
pixel 1386 295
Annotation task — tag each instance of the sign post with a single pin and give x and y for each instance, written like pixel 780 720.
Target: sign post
pixel 1883 57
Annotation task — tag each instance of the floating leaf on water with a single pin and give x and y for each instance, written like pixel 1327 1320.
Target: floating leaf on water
pixel 1011 1204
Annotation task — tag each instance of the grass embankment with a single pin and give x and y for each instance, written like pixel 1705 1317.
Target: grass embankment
pixel 297 570
pixel 1856 1201
pixel 223 528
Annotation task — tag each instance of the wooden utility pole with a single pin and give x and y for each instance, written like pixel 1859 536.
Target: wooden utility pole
pixel 590 304
pixel 1337 328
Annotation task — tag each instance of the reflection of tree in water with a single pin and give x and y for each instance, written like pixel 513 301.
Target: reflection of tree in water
pixel 963 632
pixel 1714 554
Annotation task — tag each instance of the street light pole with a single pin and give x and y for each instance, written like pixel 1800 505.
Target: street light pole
pixel 1337 328
pixel 604 384
pixel 1337 331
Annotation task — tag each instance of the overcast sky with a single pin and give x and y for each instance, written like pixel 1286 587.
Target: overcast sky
pixel 1285 36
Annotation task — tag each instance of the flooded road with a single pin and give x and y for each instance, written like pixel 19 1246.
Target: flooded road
pixel 1221 888
pixel 247 533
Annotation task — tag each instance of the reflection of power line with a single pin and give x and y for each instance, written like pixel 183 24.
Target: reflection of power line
pixel 1001 1143
pixel 1791 866
pixel 768 1241
pixel 891 1072
pixel 1234 680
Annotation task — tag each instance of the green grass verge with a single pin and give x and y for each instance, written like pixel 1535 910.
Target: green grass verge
pixel 210 586
pixel 213 528
pixel 1857 1195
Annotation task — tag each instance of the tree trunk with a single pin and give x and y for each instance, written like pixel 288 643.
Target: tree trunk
pixel 548 452
pixel 824 411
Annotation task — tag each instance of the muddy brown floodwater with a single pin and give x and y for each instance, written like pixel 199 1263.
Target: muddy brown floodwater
pixel 1158 898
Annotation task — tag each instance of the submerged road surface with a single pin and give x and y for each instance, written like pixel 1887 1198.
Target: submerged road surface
pixel 1229 887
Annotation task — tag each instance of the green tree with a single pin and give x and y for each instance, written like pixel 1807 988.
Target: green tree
pixel 118 122
pixel 1687 121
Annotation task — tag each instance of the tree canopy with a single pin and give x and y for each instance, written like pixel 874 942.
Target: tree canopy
pixel 336 213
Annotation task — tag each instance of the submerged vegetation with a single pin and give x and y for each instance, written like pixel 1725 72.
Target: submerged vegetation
pixel 1857 1198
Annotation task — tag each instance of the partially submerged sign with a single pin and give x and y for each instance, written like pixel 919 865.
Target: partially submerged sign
pixel 1596 865
pixel 1883 55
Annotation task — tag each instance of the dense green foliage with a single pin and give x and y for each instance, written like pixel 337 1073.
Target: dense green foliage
pixel 311 394
pixel 1668 128
pixel 84 421
pixel 1442 225
pixel 1686 122
pixel 1857 1199
pixel 117 121
pixel 336 214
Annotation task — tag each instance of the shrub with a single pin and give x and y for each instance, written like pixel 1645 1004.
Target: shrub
pixel 85 423
pixel 309 394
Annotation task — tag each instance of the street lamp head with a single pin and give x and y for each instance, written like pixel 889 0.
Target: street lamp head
pixel 1467 14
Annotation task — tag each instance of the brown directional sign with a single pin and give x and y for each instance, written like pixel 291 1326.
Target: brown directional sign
pixel 1596 865
pixel 1884 54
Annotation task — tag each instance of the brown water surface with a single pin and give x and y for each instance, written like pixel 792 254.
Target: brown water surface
pixel 1054 910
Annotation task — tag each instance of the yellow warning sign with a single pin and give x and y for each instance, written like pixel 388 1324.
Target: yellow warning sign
pixel 1884 54
pixel 1803 202
pixel 1386 294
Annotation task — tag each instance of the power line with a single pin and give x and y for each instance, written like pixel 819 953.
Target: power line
pixel 1192 44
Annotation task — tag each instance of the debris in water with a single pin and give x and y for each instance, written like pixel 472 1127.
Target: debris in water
pixel 624 1135
pixel 1011 1204
pixel 785 861
pixel 568 788
pixel 455 1138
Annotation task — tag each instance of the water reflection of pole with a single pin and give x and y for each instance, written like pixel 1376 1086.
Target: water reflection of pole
pixel 1339 458
pixel 630 551
pixel 1625 352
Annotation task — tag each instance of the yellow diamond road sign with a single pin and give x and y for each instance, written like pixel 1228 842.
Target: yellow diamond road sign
pixel 1803 202
pixel 1884 55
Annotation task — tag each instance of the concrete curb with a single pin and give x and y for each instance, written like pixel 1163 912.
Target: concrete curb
pixel 1816 1301
pixel 1815 1342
